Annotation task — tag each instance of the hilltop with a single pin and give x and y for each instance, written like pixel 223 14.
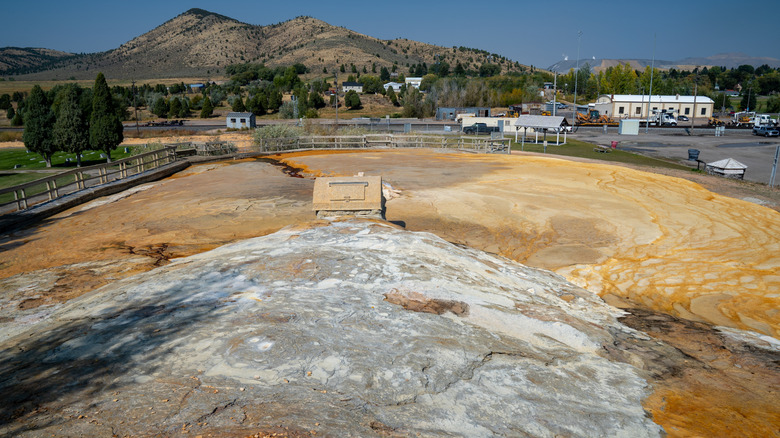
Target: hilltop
pixel 203 43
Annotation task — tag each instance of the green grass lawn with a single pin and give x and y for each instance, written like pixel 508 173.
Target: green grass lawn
pixel 576 148
pixel 31 161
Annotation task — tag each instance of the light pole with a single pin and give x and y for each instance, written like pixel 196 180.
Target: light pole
pixel 650 93
pixel 576 73
pixel 695 92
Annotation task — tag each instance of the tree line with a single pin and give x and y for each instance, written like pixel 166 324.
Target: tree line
pixel 71 119
pixel 711 82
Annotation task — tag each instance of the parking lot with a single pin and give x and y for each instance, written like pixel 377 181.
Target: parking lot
pixel 757 153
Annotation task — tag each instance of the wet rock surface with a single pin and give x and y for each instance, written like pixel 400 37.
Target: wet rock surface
pixel 311 329
pixel 680 258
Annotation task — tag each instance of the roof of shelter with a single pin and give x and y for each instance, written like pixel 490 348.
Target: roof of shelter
pixel 539 122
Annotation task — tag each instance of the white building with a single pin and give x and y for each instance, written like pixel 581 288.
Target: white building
pixel 354 86
pixel 414 82
pixel 396 86
pixel 636 105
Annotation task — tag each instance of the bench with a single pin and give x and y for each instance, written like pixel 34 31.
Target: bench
pixel 602 149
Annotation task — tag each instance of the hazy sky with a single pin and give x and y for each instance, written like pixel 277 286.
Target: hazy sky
pixel 537 32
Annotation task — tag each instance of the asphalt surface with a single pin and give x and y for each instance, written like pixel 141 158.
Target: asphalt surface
pixel 757 153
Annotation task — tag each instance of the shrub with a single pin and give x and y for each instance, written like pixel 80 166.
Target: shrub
pixel 277 131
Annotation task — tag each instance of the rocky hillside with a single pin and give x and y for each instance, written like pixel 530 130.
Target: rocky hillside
pixel 202 43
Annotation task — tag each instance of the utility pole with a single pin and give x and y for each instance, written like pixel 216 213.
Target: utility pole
pixel 576 73
pixel 555 93
pixel 695 92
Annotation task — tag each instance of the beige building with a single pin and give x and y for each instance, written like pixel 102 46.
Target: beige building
pixel 635 106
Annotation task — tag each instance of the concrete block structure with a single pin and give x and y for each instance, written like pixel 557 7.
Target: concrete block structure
pixel 348 196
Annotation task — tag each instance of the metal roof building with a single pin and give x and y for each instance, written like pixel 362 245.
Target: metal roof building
pixel 636 105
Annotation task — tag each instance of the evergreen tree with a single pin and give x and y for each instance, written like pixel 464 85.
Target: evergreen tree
pixel 316 100
pixel 17 119
pixel 238 105
pixel 384 75
pixel 174 106
pixel 71 131
pixel 207 108
pixel 352 100
pixel 38 123
pixel 391 95
pixel 184 111
pixel 10 114
pixel 105 128
pixel 160 108
pixel 256 104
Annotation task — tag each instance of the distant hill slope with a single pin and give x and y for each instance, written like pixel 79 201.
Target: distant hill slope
pixel 728 60
pixel 201 43
pixel 18 60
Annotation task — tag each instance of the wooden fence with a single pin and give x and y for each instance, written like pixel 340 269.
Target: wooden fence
pixel 23 196
pixel 368 141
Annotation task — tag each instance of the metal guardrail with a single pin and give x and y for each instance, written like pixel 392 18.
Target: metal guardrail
pixel 368 141
pixel 55 186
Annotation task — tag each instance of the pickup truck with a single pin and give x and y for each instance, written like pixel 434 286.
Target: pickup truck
pixel 766 131
pixel 479 128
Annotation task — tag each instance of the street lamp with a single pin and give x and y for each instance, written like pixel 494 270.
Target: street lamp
pixel 576 72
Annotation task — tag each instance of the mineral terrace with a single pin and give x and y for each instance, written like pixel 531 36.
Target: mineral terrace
pixel 503 296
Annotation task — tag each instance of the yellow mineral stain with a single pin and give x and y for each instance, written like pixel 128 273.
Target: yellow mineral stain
pixel 653 239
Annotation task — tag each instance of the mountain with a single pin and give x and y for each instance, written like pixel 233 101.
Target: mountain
pixel 203 43
pixel 18 59
pixel 728 60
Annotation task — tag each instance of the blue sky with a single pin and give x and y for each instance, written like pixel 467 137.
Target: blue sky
pixel 537 32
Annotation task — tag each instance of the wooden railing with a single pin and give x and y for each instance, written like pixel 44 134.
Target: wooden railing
pixel 55 186
pixel 475 144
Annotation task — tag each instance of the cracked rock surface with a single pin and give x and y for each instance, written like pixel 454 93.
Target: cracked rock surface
pixel 353 328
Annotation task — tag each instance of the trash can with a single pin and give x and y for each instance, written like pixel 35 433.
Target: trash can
pixel 614 145
pixel 693 154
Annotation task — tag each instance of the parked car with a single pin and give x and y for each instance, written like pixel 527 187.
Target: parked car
pixel 766 131
pixel 682 118
pixel 479 128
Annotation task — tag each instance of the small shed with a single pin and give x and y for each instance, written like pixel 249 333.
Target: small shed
pixel 542 124
pixel 240 120
pixel 729 167
pixel 348 196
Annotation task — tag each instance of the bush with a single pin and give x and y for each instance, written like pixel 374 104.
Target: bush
pixel 312 113
pixel 277 131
